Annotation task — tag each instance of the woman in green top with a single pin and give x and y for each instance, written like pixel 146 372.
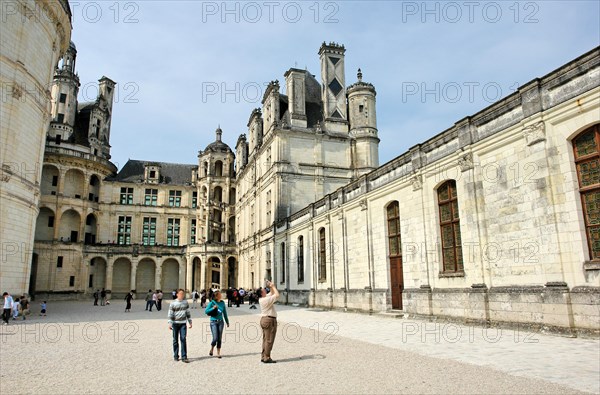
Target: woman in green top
pixel 216 322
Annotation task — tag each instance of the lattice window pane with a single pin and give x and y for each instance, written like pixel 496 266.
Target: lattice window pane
pixel 455 209
pixel 459 259
pixel 453 190
pixel 449 262
pixel 594 235
pixel 443 193
pixel 592 207
pixel 457 238
pixel 393 241
pixel 585 144
pixel 589 173
pixel 445 214
pixel 447 239
pixel 393 227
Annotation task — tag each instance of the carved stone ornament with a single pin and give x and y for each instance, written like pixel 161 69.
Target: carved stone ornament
pixel 417 182
pixel 466 162
pixel 363 204
pixel 535 133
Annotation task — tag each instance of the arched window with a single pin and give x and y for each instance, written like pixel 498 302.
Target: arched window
pixel 450 228
pixel 300 256
pixel 395 254
pixel 586 147
pixel 218 168
pixel 394 241
pixel 322 256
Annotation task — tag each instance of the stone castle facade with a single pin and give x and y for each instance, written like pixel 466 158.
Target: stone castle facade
pixel 493 220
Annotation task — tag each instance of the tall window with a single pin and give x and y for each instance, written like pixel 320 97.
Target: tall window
pixel 268 160
pixel 268 207
pixel 450 228
pixel 282 246
pixel 193 232
pixel 252 219
pixel 268 270
pixel 394 241
pixel 173 231
pixel 151 197
pixel 149 231
pixel 300 255
pixel 586 147
pixel 175 198
pixel 124 230
pixel 126 196
pixel 322 256
pixel 194 199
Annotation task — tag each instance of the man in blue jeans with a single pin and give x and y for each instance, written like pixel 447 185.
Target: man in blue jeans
pixel 179 315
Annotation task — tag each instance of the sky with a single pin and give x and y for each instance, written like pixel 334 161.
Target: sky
pixel 183 68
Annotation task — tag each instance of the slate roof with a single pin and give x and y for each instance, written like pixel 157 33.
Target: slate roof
pixel 171 173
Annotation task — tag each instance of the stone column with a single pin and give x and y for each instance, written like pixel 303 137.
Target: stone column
pixel 188 275
pixel 109 273
pixel 158 274
pixel 182 274
pixel 134 263
pixel 202 272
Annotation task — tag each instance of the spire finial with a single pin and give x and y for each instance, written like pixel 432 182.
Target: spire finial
pixel 219 132
pixel 359 75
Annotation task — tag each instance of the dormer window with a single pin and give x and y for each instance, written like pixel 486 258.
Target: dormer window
pixel 152 173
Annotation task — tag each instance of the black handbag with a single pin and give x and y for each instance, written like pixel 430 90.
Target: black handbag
pixel 213 312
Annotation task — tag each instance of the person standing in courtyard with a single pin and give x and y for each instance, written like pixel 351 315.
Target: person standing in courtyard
pixel 148 300
pixel 128 299
pixel 268 320
pixel 203 298
pixel 102 297
pixel 15 310
pixel 179 314
pixel 216 321
pixel 8 305
pixel 159 298
pixel 43 306
pixel 194 299
pixel 154 300
pixel 96 295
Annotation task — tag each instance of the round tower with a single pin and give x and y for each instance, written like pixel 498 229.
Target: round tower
pixel 64 90
pixel 363 125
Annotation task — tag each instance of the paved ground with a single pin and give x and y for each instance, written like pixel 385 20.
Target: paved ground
pixel 79 348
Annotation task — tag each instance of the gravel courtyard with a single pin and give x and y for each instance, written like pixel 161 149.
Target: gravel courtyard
pixel 79 348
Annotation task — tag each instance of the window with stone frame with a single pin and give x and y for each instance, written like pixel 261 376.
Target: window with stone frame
pixel 322 256
pixel 193 232
pixel 282 246
pixel 175 198
pixel 394 240
pixel 151 197
pixel 173 231
pixel 300 259
pixel 268 209
pixel 194 199
pixel 149 231
pixel 586 147
pixel 126 196
pixel 452 259
pixel 124 230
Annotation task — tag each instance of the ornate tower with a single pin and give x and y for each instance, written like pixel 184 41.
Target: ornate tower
pixel 334 88
pixel 64 90
pixel 363 125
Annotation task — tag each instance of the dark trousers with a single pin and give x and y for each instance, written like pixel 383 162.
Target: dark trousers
pixel 159 305
pixel 269 328
pixel 179 335
pixel 149 304
pixel 95 301
pixel 5 315
pixel 216 328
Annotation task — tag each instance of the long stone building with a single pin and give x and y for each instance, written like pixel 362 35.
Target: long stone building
pixel 493 220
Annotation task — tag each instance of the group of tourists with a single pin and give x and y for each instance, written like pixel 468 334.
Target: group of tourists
pixel 153 299
pixel 202 296
pixel 179 315
pixel 18 307
pixel 102 295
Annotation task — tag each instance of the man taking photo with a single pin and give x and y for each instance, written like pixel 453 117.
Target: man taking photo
pixel 268 320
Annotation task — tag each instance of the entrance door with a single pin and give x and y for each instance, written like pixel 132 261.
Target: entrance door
pixel 395 254
pixel 397 282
